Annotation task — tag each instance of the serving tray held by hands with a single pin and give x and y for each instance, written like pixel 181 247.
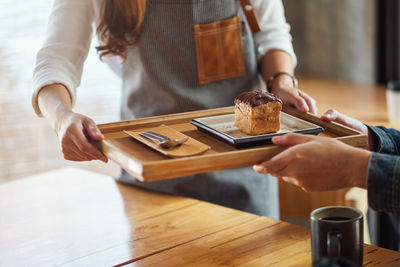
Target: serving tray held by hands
pixel 147 164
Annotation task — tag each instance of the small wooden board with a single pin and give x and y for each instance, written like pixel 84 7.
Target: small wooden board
pixel 190 148
pixel 146 164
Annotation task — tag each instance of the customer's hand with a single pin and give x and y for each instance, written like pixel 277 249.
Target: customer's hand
pixel 317 163
pixel 333 115
pixel 75 132
pixel 283 88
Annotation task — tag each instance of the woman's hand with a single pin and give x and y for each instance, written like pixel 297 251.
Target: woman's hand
pixel 76 133
pixel 283 88
pixel 276 61
pixel 317 163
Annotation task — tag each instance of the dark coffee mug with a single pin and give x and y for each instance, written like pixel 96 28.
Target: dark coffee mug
pixel 337 233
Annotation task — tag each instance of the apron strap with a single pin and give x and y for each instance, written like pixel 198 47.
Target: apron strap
pixel 251 16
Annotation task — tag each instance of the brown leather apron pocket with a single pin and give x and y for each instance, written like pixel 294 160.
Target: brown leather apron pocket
pixel 219 50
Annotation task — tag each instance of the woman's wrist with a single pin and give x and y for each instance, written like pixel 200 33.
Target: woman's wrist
pixel 61 114
pixel 55 103
pixel 282 81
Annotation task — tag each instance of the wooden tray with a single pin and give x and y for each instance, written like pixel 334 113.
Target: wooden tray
pixel 147 164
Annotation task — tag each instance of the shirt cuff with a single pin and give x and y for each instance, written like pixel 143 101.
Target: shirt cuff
pixel 383 182
pixel 384 142
pixel 51 75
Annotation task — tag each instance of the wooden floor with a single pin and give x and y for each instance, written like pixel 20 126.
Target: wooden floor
pixel 27 144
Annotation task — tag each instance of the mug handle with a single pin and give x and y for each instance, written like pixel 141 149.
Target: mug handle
pixel 333 243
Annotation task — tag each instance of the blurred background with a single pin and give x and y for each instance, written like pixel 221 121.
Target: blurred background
pixel 27 144
pixel 335 39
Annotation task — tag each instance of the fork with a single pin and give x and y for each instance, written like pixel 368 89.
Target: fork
pixel 163 141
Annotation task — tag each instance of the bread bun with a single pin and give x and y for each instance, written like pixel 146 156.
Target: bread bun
pixel 257 112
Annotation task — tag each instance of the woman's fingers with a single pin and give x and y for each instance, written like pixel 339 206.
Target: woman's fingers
pixel 76 135
pixel 302 101
pixel 312 104
pixel 299 102
pixel 297 98
pixel 71 155
pixel 86 148
pixel 70 151
pixel 92 130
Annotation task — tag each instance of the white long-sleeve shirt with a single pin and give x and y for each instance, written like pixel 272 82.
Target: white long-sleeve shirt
pixel 70 30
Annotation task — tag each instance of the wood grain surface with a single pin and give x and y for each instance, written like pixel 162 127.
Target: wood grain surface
pixel 71 217
pixel 64 216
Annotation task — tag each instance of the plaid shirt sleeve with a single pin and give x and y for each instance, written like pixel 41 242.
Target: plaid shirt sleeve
pixel 384 171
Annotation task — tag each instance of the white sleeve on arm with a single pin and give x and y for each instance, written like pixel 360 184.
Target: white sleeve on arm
pixel 275 31
pixel 68 37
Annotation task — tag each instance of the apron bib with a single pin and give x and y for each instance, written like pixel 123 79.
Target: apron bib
pixel 160 76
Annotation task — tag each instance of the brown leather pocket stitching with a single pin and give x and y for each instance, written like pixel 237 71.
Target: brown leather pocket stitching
pixel 219 50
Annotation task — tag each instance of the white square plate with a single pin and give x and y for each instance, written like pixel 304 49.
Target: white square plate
pixel 223 127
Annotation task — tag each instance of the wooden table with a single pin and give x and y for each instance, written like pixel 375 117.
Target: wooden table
pixel 71 217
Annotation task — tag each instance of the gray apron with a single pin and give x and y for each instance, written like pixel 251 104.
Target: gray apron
pixel 160 77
